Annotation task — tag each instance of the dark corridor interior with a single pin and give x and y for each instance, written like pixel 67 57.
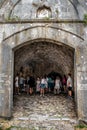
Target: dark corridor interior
pixel 41 58
pixel 44 58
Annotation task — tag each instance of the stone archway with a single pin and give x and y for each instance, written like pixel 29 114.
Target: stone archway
pixel 29 36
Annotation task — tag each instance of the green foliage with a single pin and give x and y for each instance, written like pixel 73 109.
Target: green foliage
pixel 56 11
pixel 81 126
pixel 15 18
pixel 47 18
pixel 85 19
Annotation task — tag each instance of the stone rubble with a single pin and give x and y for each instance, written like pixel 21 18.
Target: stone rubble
pixel 51 112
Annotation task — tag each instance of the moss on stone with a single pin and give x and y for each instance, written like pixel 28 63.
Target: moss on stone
pixel 16 18
pixel 85 19
pixel 81 126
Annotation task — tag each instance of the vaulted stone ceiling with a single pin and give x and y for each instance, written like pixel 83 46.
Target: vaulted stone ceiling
pixel 44 57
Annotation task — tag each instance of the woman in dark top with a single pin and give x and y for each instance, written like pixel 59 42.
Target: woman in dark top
pixel 31 84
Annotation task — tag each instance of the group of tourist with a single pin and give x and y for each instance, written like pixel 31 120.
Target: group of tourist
pixel 43 84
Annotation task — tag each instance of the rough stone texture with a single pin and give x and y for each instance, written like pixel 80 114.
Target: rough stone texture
pixel 21 9
pixel 13 36
pixel 45 113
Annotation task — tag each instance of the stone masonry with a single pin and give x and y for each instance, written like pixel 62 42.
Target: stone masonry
pixel 29 31
pixel 51 112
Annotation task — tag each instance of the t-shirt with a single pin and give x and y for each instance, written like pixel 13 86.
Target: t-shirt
pixel 21 80
pixel 43 81
pixel 69 82
pixel 64 80
pixel 57 83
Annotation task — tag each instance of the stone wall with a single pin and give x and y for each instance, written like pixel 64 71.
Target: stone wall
pixel 59 9
pixel 54 24
pixel 28 38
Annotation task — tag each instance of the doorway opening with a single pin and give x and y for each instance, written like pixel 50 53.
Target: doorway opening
pixel 44 58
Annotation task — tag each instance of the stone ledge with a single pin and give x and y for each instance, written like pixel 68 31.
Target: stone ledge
pixel 41 21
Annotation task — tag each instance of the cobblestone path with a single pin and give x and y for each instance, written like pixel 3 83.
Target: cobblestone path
pixel 51 112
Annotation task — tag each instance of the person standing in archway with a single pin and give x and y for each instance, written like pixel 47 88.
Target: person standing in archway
pixel 31 84
pixel 17 84
pixel 57 85
pixel 38 82
pixel 69 85
pixel 50 84
pixel 21 82
pixel 64 82
pixel 27 83
pixel 43 86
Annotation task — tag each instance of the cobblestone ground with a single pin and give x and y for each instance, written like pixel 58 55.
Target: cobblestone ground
pixel 51 112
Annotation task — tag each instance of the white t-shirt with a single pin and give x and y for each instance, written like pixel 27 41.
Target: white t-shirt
pixel 38 82
pixel 57 83
pixel 69 82
pixel 43 81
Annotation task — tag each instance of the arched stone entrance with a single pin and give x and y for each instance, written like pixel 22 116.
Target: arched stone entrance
pixel 44 57
pixel 37 34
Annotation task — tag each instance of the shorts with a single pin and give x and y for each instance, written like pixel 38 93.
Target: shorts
pixel 70 88
pixel 57 87
pixel 43 86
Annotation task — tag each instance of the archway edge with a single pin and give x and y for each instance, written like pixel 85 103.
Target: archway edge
pixel 29 42
pixel 54 34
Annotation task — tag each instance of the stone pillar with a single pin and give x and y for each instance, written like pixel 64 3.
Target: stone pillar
pixel 82 82
pixel 2 92
pixel 6 94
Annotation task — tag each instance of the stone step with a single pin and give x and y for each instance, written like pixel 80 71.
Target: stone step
pixel 40 128
pixel 45 118
pixel 44 126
